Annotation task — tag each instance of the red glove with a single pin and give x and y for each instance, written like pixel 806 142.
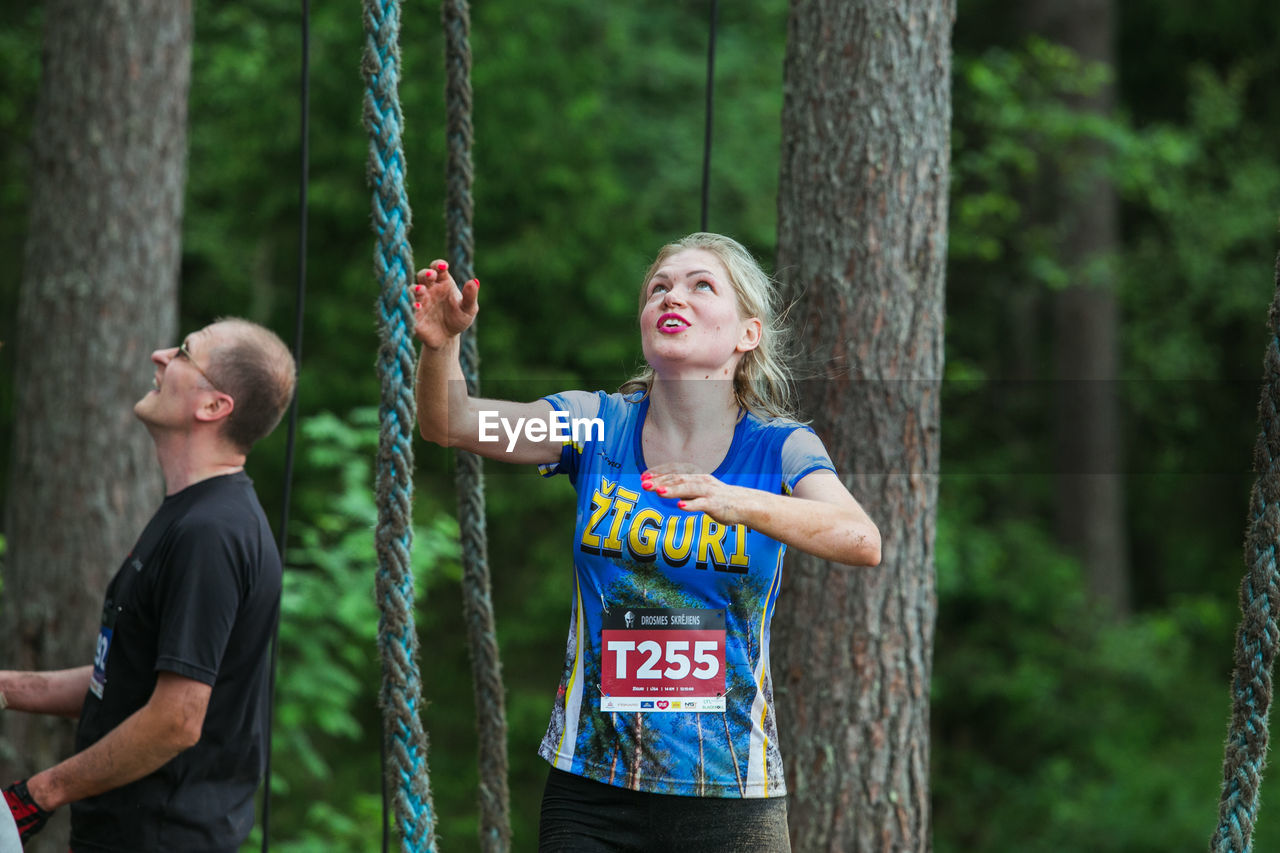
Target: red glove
pixel 28 816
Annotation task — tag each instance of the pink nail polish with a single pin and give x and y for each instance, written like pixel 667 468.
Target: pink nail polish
pixel 662 491
pixel 680 504
pixel 417 305
pixel 442 266
pixel 419 289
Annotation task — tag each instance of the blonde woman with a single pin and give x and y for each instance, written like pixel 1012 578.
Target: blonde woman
pixel 692 481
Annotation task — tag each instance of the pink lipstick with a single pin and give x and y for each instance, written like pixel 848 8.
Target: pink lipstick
pixel 671 323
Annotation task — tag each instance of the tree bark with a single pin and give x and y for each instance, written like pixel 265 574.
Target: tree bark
pixel 98 294
pixel 1089 491
pixel 862 240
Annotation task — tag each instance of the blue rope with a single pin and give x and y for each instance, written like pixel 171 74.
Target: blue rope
pixel 1259 635
pixel 393 264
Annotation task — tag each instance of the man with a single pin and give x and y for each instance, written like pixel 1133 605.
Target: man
pixel 173 726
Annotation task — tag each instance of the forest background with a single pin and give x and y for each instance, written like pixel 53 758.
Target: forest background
pixel 1062 718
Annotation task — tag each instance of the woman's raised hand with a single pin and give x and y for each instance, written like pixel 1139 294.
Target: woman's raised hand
pixel 441 311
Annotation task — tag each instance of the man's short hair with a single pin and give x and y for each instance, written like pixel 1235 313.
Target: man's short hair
pixel 254 366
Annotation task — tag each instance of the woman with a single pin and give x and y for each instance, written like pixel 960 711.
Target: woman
pixel 692 481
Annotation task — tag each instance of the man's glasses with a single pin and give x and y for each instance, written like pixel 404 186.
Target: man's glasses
pixel 186 353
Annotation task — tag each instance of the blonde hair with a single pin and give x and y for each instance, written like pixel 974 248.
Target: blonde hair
pixel 762 382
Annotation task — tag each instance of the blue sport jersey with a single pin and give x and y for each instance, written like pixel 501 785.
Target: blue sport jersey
pixel 666 685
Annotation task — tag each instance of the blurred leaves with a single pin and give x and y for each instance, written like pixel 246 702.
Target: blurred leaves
pixel 1079 732
pixel 328 672
pixel 1056 728
pixel 1053 730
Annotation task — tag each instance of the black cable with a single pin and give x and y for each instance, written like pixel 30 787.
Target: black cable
pixel 711 82
pixel 282 539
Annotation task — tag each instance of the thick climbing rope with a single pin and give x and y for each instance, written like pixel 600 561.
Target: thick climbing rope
pixel 401 697
pixel 1258 636
pixel 477 600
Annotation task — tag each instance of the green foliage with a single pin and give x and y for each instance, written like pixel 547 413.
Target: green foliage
pixel 1014 117
pixel 607 165
pixel 1192 278
pixel 328 660
pixel 1055 728
pixel 240 240
pixel 1208 191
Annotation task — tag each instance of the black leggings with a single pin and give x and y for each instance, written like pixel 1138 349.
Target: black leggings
pixel 581 815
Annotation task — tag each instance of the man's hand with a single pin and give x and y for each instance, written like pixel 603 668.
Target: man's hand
pixel 27 814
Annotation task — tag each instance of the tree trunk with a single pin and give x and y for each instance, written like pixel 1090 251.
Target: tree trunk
pixel 862 238
pixel 98 294
pixel 1089 492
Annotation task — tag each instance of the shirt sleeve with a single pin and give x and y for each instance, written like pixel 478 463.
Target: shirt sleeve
pixel 576 405
pixel 802 454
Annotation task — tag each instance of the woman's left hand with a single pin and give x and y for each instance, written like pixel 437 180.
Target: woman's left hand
pixel 697 492
pixel 819 516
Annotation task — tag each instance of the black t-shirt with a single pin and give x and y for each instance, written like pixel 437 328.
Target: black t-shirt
pixel 198 596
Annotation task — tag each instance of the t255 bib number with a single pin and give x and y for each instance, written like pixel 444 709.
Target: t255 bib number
pixel 656 659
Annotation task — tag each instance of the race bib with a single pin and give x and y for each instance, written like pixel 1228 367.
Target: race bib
pixel 660 659
pixel 98 681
